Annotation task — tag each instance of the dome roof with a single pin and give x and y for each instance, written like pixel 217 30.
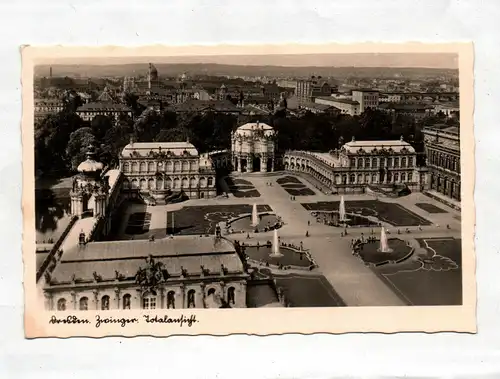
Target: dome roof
pixel 252 127
pixel 90 165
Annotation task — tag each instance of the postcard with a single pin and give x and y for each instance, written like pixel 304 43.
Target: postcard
pixel 254 190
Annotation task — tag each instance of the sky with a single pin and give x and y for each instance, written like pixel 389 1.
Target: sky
pixel 430 60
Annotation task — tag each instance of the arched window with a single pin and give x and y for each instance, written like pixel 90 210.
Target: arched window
pixel 84 303
pixel 410 176
pixel 151 167
pixel 148 301
pixel 352 178
pixel 367 178
pixel 360 163
pixel 203 182
pixel 396 177
pixel 135 167
pixel 126 184
pixel 403 177
pixel 211 292
pixel 143 184
pixel 192 183
pixel 126 167
pixel 360 178
pixel 61 304
pixel 191 300
pixel 171 300
pixel 210 181
pixel 389 162
pixel 367 162
pixel 170 166
pixel 105 303
pixel 126 301
pixel 374 162
pixel 159 183
pixel 142 167
pixel 185 182
pixel 403 162
pixel 231 295
pixel 374 178
pixel 177 166
pixel 185 166
pixel 135 184
pixel 177 183
pixel 396 162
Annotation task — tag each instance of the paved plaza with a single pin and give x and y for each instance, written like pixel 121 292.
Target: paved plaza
pixel 353 281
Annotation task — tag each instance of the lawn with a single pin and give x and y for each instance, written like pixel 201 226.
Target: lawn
pixel 308 291
pixel 391 213
pixel 241 188
pixel 435 281
pixel 430 208
pixel 294 186
pixel 203 219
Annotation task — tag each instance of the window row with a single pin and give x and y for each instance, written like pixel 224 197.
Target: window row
pixel 396 162
pixel 148 301
pixel 169 166
pixel 159 183
pixel 447 161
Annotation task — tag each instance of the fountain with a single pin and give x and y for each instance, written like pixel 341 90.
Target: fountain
pixel 342 210
pixel 255 216
pixel 276 246
pixel 384 244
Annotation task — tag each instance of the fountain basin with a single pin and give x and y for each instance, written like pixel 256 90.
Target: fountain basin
pixel 244 223
pixel 371 254
pixel 289 256
pixel 332 218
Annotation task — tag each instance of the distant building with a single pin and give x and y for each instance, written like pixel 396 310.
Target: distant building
pixel 345 106
pixel 90 110
pixel 366 98
pixel 442 148
pixel 317 108
pixel 307 90
pixel 450 109
pixel 158 169
pixel 417 111
pixel 45 107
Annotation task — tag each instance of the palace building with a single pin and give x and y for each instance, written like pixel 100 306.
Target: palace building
pixel 253 147
pixel 179 272
pixel 442 148
pixel 360 164
pixel 162 168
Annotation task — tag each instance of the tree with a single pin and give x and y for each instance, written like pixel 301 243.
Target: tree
pixel 78 144
pixel 173 135
pixel 100 124
pixel 51 138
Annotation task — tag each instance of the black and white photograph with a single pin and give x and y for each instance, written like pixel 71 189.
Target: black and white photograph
pixel 179 183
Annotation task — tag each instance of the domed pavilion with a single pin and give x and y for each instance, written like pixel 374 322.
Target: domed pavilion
pixel 253 147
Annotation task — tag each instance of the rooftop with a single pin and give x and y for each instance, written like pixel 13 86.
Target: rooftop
pixel 397 146
pixel 126 257
pixel 336 100
pixel 103 106
pixel 144 149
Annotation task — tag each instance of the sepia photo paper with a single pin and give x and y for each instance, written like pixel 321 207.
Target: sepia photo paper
pixel 253 190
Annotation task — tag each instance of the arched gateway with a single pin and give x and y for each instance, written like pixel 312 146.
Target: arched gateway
pixel 252 148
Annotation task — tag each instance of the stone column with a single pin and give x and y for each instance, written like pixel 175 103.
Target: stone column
pixel 239 164
pixel 137 304
pixel 96 299
pixel 161 295
pixel 272 165
pixel 73 299
pixel 182 297
pixel 223 290
pixel 249 163
pixel 117 299
pixel 48 303
pixel 263 163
